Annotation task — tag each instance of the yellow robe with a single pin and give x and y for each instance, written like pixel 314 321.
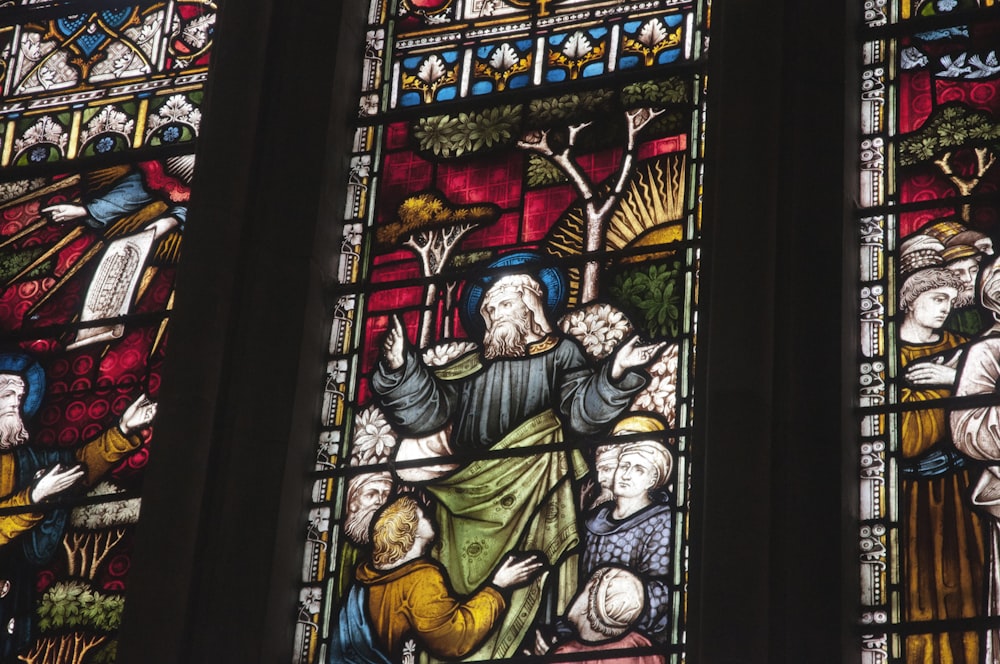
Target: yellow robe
pixel 413 600
pixel 942 538
pixel 97 458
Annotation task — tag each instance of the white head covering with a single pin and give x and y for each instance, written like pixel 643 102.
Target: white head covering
pixel 616 600
pixel 656 455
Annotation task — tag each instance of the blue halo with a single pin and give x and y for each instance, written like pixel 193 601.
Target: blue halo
pixel 551 278
pixel 32 373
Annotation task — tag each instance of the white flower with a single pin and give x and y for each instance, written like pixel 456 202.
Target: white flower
pixel 11 190
pixel 310 600
pixel 503 58
pixel 577 46
pixel 319 519
pixel 432 69
pixel 374 42
pixel 114 514
pixel 369 105
pixel 196 33
pixel 177 109
pixel 660 396
pixel 374 439
pixel 599 327
pixel 409 651
pixel 652 33
pixel 444 353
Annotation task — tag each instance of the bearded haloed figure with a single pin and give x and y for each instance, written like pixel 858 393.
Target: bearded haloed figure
pixel 32 476
pixel 942 538
pixel 528 388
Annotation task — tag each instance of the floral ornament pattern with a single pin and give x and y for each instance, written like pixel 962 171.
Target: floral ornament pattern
pixel 599 327
pixel 109 121
pixel 660 396
pixel 503 63
pixel 374 440
pixel 445 353
pixel 310 601
pixel 409 652
pixel 653 37
pixel 106 514
pixel 431 75
pixel 176 110
pixel 46 131
pixel 11 190
pixel 576 53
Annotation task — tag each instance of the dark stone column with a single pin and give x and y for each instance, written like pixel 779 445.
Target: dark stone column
pixel 218 553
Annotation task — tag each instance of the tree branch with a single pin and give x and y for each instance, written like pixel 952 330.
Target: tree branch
pixel 638 118
pixel 984 163
pixel 943 163
pixel 536 141
pixel 576 129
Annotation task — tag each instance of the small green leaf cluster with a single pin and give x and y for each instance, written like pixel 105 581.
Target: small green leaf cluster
pixel 541 171
pixel 453 136
pixel 13 263
pixel 107 654
pixel 654 291
pixel 74 604
pixel 572 107
pixel 951 127
pixel 672 90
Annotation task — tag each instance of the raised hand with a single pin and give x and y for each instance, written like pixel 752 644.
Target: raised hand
pixel 515 570
pixel 55 480
pixel 138 415
pixel 395 344
pixel 632 354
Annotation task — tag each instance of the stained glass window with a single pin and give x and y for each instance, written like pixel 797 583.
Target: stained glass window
pixel 506 422
pixel 927 221
pixel 99 111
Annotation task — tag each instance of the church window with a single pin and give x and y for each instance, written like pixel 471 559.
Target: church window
pixel 507 408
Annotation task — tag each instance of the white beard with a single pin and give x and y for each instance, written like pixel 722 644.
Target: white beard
pixel 12 431
pixel 356 524
pixel 507 338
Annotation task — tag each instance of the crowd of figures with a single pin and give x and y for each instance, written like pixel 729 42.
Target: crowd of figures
pixel 950 466
pixel 490 538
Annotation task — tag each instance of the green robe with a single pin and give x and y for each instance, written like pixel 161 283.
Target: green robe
pixel 525 502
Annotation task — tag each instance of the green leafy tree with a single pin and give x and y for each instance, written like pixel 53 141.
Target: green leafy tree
pixel 949 130
pixel 554 132
pixel 73 619
pixel 454 136
pixel 653 292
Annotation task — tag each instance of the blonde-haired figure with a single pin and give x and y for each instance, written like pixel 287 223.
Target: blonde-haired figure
pixel 403 593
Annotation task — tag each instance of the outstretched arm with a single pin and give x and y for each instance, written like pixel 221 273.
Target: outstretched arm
pixel 633 355
pixel 413 400
pixel 100 454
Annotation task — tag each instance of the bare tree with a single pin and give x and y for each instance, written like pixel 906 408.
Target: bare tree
pixel 598 207
pixel 431 227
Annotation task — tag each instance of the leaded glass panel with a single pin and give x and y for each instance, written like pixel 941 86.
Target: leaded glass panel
pixel 99 110
pixel 927 221
pixel 513 337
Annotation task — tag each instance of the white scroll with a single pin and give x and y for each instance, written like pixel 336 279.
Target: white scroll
pixel 113 287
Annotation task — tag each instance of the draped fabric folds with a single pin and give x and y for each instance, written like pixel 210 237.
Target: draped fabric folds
pixel 942 538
